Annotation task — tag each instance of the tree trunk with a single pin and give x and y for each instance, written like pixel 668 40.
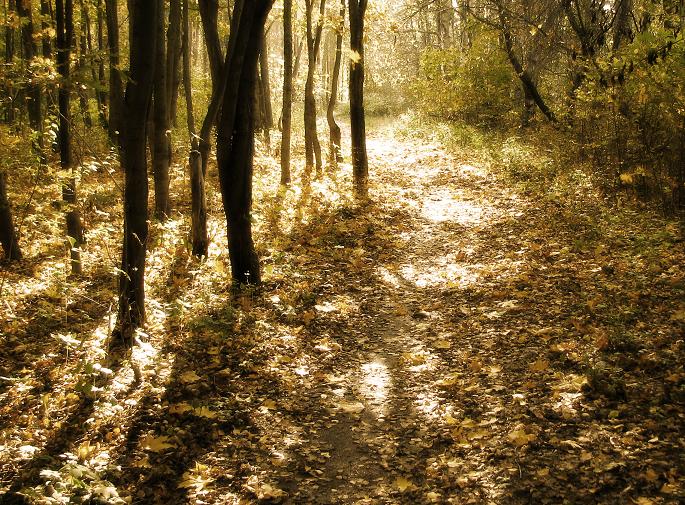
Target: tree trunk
pixel 161 147
pixel 84 51
pixel 287 113
pixel 197 182
pixel 335 154
pixel 136 103
pixel 8 236
pixel 65 40
pixel 530 89
pixel 209 12
pixel 622 23
pixel 101 94
pixel 116 90
pixel 9 59
pixel 360 163
pixel 33 98
pixel 235 136
pixel 311 137
pixel 173 59
pixel 46 16
pixel 265 81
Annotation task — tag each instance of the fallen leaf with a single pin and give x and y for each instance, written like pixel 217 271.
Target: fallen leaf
pixel 403 484
pixel 442 344
pixel 156 444
pixel 180 408
pixel 351 407
pixel 521 438
pixel 540 365
pixel 190 377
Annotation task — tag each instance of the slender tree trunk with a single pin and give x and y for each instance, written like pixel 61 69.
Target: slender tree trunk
pixel 235 136
pixel 622 23
pixel 33 92
pixel 311 137
pixel 136 103
pixel 8 236
pixel 360 163
pixel 265 81
pixel 9 59
pixel 84 51
pixel 116 90
pixel 209 12
pixel 335 154
pixel 46 16
pixel 286 115
pixel 197 182
pixel 101 79
pixel 173 58
pixel 65 41
pixel 529 86
pixel 161 147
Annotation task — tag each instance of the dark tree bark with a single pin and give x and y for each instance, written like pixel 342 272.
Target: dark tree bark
pixel 46 17
pixel 116 90
pixel 235 136
pixel 311 137
pixel 287 111
pixel 197 183
pixel 64 14
pixel 100 79
pixel 131 315
pixel 33 93
pixel 9 59
pixel 8 236
pixel 266 118
pixel 360 163
pixel 173 58
pixel 622 23
pixel 265 82
pixel 84 51
pixel 530 89
pixel 161 146
pixel 209 12
pixel 335 154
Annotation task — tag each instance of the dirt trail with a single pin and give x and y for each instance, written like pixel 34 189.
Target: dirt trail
pixel 456 381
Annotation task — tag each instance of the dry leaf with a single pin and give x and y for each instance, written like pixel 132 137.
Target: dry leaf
pixel 540 365
pixel 403 484
pixel 190 377
pixel 156 444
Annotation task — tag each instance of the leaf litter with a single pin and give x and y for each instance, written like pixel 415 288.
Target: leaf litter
pixel 454 342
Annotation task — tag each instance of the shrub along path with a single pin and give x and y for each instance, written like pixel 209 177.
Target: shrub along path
pixel 460 339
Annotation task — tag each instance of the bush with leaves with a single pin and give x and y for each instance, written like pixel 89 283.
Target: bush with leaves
pixel 476 85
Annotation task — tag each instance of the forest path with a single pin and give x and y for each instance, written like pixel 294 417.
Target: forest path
pixel 457 347
pixel 411 362
pixel 458 339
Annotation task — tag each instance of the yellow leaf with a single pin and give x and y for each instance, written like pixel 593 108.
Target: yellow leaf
pixel 205 412
pixel 540 365
pixel 156 444
pixel 179 408
pixel 351 407
pixel 442 344
pixel 403 484
pixel 190 377
pixel 521 438
pixel 355 57
pixel 269 404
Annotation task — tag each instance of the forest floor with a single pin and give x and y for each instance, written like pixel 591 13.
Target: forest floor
pixel 458 339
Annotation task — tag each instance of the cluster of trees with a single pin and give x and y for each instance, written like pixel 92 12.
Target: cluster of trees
pixel 607 74
pixel 133 71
